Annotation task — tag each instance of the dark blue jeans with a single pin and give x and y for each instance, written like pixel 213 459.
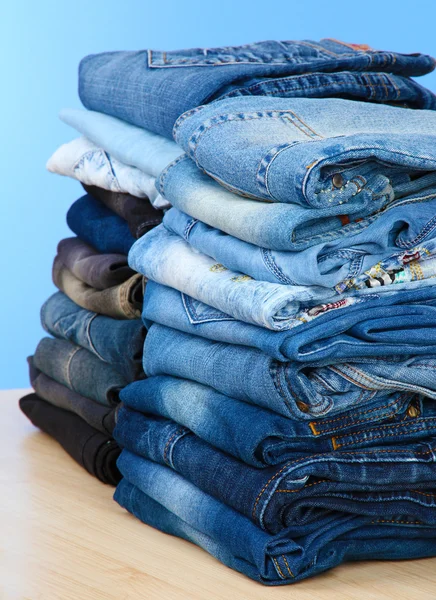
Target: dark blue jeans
pixel 165 500
pixel 399 477
pixel 99 227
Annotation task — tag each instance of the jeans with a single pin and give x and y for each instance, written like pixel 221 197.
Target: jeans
pixel 99 227
pixel 168 259
pixel 310 152
pixel 276 225
pixel 166 501
pixel 139 213
pixel 133 146
pixel 260 437
pixel 80 370
pixel 302 391
pixel 152 89
pixel 96 415
pixel 119 343
pixel 82 160
pixel 94 451
pixel 122 301
pixel 401 477
pixel 99 271
pixel 366 328
pixel 327 264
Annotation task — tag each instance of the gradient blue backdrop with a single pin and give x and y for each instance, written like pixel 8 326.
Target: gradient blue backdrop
pixel 41 44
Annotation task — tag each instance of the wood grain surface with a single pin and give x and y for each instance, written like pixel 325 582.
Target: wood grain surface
pixel 62 537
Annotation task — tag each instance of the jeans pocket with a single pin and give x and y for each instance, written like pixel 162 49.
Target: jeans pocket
pixel 198 312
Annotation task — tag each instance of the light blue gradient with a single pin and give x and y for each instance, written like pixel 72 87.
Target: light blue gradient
pixel 41 44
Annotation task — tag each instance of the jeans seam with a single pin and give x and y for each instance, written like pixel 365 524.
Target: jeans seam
pixel 272 266
pixel 89 338
pixel 67 366
pixel 316 424
pixel 345 454
pixel 411 428
pixel 172 441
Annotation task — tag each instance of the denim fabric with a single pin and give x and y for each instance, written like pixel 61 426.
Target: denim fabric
pixel 260 437
pixel 122 301
pixel 96 415
pixel 166 501
pixel 310 152
pixel 378 326
pixel 168 259
pixel 94 451
pixel 276 225
pixel 295 390
pixel 98 226
pixel 78 369
pixel 119 343
pixel 373 87
pixel 151 88
pixel 100 271
pixel 133 146
pixel 138 212
pixel 400 478
pixel 327 264
pixel 82 160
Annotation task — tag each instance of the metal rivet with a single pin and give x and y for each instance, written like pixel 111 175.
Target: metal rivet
pixel 412 411
pixel 338 180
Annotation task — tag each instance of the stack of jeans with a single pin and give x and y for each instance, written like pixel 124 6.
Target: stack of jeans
pixel 95 321
pixel 287 422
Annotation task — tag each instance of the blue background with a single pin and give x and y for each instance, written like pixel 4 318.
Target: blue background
pixel 41 44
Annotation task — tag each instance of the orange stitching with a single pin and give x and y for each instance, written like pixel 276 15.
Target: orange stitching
pixel 169 442
pixel 278 568
pixel 423 493
pixel 355 422
pixel 377 437
pixel 413 423
pixel 401 522
pixel 315 456
pixel 303 488
pixel 287 566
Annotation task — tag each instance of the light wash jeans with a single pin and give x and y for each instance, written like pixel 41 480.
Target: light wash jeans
pixel 166 258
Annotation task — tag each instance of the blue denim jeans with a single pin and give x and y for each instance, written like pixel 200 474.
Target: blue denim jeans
pixel 394 481
pixel 310 152
pixel 83 160
pixel 166 258
pixel 99 227
pixel 260 437
pixel 117 342
pixel 79 370
pixel 152 89
pixel 396 232
pixel 283 226
pixel 132 146
pixel 161 498
pixel 393 324
pixel 302 391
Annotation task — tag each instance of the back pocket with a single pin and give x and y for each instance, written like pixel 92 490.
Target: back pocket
pixel 198 312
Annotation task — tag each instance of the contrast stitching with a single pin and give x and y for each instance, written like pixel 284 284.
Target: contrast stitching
pixel 409 426
pixel 347 418
pixel 167 445
pixel 278 568
pixel 398 522
pixel 287 566
pixel 305 487
pixel 315 456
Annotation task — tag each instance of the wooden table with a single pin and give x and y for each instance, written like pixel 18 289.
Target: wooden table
pixel 63 538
